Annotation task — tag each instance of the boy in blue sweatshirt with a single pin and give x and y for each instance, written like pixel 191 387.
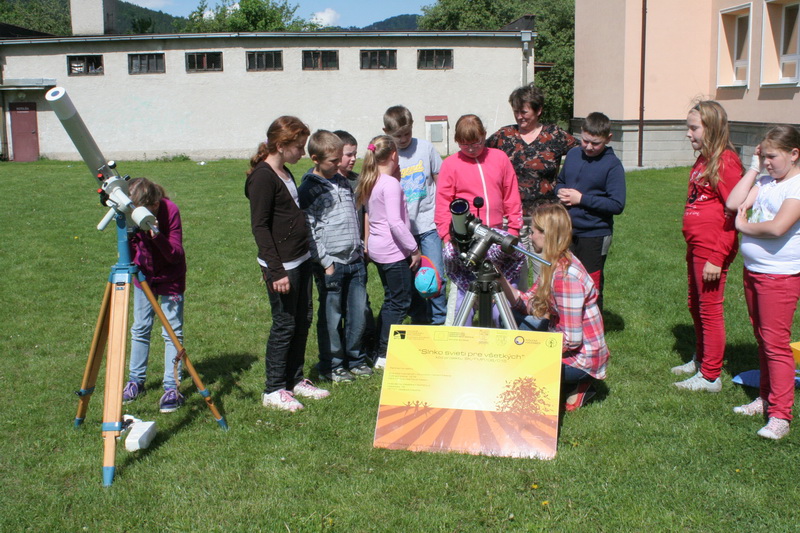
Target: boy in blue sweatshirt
pixel 338 261
pixel 592 187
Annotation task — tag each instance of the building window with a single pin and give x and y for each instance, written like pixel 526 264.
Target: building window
pixel 146 64
pixel 434 59
pixel 320 60
pixel 790 49
pixel 203 61
pixel 257 61
pixel 734 47
pixel 85 65
pixel 378 59
pixel 781 53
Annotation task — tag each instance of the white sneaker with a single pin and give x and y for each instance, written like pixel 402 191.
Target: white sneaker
pixel 756 407
pixel 281 399
pixel 306 389
pixel 380 363
pixel 686 368
pixel 698 382
pixel 776 428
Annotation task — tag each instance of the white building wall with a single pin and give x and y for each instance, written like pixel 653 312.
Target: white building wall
pixel 209 115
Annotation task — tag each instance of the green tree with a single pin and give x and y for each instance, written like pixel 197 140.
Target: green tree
pixel 48 16
pixel 555 25
pixel 246 15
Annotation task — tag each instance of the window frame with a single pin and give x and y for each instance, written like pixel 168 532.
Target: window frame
pixel 274 54
pixel 373 58
pixel 148 55
pixel 729 41
pixel 773 36
pixel 87 70
pixel 205 58
pixel 793 56
pixel 448 59
pixel 318 58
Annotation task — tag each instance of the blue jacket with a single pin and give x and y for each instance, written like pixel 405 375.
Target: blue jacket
pixel 601 181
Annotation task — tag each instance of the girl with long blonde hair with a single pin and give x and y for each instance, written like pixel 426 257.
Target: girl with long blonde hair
pixel 711 243
pixel 389 242
pixel 563 299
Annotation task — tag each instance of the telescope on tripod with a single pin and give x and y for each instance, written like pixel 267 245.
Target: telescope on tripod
pixel 112 322
pixel 473 240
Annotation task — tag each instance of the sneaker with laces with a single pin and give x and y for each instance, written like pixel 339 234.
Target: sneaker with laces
pixel 699 383
pixel 132 391
pixel 756 407
pixel 776 428
pixel 338 375
pixel 170 401
pixel 686 368
pixel 380 363
pixel 306 389
pixel 281 399
pixel 361 371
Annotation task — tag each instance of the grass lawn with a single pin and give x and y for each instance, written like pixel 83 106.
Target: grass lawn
pixel 644 456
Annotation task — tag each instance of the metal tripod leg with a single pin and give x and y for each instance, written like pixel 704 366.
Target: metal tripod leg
pixel 466 307
pixel 506 316
pixel 183 356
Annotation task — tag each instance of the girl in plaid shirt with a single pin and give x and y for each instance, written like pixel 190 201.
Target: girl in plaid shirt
pixel 563 299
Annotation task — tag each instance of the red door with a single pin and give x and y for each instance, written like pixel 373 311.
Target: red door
pixel 24 131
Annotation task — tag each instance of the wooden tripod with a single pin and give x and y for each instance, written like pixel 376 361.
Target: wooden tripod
pixel 112 330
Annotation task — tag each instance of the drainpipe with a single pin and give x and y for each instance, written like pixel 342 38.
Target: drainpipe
pixel 641 81
pixel 526 37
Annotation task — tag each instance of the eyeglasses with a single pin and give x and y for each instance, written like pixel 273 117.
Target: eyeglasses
pixel 471 146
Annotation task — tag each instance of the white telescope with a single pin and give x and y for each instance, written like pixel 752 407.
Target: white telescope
pixel 109 180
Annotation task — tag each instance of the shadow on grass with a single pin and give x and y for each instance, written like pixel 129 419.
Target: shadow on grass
pixel 613 321
pixel 738 357
pixel 226 371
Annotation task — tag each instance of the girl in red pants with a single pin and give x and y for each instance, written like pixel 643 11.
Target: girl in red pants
pixel 711 243
pixel 771 252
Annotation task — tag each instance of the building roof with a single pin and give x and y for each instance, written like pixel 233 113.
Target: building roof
pixel 261 35
pixel 9 31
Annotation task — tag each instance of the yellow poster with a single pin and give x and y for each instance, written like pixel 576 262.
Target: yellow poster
pixel 473 390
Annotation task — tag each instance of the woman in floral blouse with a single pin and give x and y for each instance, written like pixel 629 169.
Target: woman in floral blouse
pixel 535 151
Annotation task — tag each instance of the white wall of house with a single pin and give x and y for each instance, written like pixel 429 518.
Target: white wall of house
pixel 216 114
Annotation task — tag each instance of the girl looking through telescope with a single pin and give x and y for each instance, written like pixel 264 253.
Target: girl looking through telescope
pixel 563 299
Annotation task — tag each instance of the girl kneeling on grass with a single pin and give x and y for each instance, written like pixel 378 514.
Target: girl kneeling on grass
pixel 389 242
pixel 563 299
pixel 771 252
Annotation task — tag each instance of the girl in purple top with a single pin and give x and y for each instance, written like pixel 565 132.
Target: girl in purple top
pixel 389 242
pixel 160 257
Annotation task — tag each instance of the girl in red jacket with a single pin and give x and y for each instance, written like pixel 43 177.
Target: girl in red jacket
pixel 711 243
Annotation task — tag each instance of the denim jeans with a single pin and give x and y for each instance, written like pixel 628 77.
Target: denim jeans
pixel 398 282
pixel 292 314
pixel 342 298
pixel 430 310
pixel 143 314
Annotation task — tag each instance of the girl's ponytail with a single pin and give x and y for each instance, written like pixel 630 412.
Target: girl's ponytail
pixel 379 150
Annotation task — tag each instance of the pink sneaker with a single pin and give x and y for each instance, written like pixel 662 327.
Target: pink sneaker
pixel 281 399
pixel 306 389
pixel 756 407
pixel 776 428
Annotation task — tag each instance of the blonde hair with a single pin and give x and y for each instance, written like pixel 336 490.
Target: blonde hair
pixel 379 150
pixel 144 192
pixel 323 143
pixel 554 222
pixel 716 138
